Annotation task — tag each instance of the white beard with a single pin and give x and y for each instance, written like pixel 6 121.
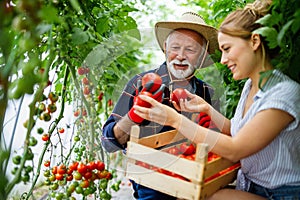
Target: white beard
pixel 181 74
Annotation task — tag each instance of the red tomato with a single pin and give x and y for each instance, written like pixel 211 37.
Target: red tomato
pixel 142 164
pixel 47 163
pixel 187 149
pixel 100 165
pixel 54 170
pixel 73 166
pixel 100 96
pixel 69 177
pixel 76 113
pixel 86 90
pixel 142 103
pixel 45 137
pixel 62 169
pixel 174 150
pixel 157 81
pixel 88 175
pixel 178 94
pixel 82 169
pixel 102 174
pixel 85 81
pixel 84 183
pixel 61 130
pixel 190 157
pixel 91 165
pixel 81 70
pixel 59 177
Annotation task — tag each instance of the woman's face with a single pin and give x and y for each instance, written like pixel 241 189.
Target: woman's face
pixel 239 55
pixel 183 50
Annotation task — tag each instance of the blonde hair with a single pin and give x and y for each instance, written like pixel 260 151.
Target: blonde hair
pixel 242 22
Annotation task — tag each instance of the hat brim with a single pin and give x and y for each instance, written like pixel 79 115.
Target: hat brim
pixel 163 29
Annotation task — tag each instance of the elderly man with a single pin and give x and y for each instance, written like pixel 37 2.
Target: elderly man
pixel 186 44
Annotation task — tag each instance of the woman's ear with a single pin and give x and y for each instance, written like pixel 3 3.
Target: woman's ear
pixel 255 41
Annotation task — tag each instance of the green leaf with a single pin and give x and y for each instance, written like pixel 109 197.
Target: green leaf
pixel 49 14
pixel 75 5
pixel 270 34
pixel 43 28
pixel 102 25
pixel 79 36
pixel 283 31
pixel 270 20
pixel 296 25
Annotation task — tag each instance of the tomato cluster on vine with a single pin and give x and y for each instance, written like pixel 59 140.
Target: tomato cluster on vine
pixel 78 177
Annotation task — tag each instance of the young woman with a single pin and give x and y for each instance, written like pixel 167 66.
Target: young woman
pixel 264 133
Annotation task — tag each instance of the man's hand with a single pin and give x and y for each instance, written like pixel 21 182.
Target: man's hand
pixel 151 85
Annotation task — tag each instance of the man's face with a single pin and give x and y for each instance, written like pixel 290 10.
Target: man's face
pixel 183 50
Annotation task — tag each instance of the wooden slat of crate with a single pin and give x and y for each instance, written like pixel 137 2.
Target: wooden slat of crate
pixel 159 140
pixel 215 184
pixel 163 183
pixel 187 168
pixel 216 165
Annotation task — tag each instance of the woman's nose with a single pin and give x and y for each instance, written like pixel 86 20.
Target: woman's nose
pixel 224 59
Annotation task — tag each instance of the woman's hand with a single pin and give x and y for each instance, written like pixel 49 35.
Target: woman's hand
pixel 195 104
pixel 158 112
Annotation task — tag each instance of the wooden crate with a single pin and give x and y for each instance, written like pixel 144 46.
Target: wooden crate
pixel 144 150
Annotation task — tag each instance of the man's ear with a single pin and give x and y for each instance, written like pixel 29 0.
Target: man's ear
pixel 255 41
pixel 165 46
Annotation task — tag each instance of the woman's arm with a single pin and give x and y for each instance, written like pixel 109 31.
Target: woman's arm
pixel 198 104
pixel 254 136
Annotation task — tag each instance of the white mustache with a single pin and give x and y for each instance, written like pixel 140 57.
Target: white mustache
pixel 178 62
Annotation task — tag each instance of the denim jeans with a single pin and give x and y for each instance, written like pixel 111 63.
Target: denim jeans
pixel 144 193
pixel 281 193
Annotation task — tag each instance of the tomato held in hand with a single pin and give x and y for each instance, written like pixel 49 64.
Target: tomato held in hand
pixel 157 81
pixel 138 101
pixel 178 94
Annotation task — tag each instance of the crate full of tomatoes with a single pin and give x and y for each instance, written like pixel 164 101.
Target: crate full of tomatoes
pixel 168 163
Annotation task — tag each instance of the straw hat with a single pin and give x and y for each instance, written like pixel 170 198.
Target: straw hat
pixel 189 20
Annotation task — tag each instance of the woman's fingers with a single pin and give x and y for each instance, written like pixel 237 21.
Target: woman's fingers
pixel 148 99
pixel 190 95
pixel 176 106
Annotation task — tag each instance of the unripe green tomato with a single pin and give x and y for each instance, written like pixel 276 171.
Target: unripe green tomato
pixel 25 178
pixel 27 68
pixel 59 196
pixel 103 184
pixel 47 173
pixel 17 159
pixel 79 190
pixel 14 170
pixel 32 141
pixel 47 182
pixel 46 116
pixel 54 186
pixel 52 178
pixel 28 169
pixel 40 130
pixel 76 138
